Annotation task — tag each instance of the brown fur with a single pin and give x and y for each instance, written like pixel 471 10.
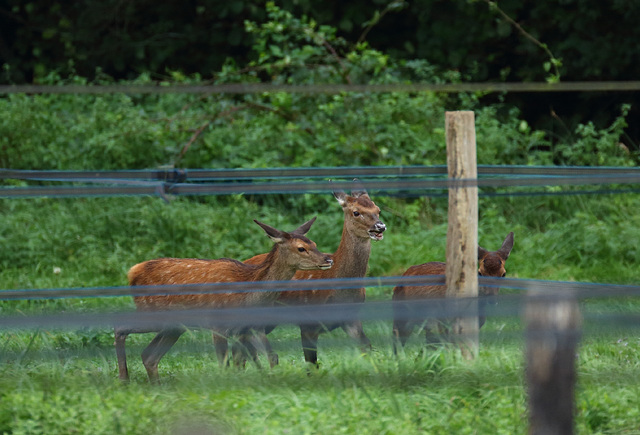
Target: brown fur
pixel 292 251
pixel 361 225
pixel 489 264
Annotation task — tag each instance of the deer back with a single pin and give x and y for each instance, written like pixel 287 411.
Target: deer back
pixel 490 263
pixel 291 252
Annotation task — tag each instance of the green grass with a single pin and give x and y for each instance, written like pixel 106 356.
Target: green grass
pixel 416 392
pixel 65 381
pixel 376 393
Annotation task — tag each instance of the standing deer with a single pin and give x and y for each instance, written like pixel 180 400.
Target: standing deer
pixel 489 264
pixel 291 252
pixel 361 225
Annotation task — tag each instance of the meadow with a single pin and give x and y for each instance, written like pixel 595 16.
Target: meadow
pixel 65 380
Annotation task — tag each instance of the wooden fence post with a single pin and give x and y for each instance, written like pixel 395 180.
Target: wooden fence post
pixel 462 231
pixel 553 323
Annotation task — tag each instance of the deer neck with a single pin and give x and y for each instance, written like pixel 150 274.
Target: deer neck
pixel 352 256
pixel 274 268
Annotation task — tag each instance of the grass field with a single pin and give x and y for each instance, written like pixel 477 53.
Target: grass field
pixel 53 387
pixel 66 381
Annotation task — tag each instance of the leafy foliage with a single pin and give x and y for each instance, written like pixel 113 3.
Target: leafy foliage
pixel 279 129
pixel 480 39
pixel 43 36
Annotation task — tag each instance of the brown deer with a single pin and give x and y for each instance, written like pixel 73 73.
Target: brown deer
pixel 361 225
pixel 291 252
pixel 489 264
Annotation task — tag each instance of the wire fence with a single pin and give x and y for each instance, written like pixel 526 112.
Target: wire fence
pixel 399 181
pixel 508 305
pixel 517 294
pixel 258 88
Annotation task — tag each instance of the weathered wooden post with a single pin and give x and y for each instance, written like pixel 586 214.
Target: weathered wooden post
pixel 553 330
pixel 462 232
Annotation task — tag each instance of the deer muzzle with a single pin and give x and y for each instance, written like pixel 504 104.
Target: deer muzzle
pixel 376 232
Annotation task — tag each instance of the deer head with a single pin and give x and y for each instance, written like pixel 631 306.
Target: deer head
pixel 299 252
pixel 492 263
pixel 362 216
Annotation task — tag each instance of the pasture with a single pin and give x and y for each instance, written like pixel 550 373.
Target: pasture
pixel 65 381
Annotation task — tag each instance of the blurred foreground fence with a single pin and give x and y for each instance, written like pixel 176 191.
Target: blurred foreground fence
pixel 550 312
pixel 508 305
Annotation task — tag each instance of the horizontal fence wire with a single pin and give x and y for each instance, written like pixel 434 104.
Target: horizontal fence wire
pixel 178 175
pixel 508 305
pixel 257 88
pixel 409 181
pixel 505 306
pixel 581 289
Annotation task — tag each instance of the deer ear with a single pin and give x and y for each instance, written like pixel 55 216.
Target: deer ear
pixel 358 189
pixel 340 196
pixel 276 235
pixel 481 252
pixel 304 228
pixel 507 246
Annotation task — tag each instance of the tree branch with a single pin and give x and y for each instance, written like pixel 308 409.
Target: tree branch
pixel 530 37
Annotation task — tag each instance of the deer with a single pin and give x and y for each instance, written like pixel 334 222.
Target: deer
pixel 292 251
pixel 362 224
pixel 490 263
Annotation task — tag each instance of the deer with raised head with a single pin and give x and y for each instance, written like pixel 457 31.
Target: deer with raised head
pixel 489 264
pixel 291 252
pixel 362 224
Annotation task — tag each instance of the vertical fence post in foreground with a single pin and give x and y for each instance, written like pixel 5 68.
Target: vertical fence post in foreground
pixel 553 330
pixel 462 231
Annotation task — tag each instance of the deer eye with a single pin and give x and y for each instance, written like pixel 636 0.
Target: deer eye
pixel 356 213
pixel 301 249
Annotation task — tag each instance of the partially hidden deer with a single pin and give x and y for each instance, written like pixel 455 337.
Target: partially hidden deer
pixel 291 252
pixel 489 264
pixel 362 224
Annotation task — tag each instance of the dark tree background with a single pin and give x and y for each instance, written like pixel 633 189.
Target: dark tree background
pixel 596 40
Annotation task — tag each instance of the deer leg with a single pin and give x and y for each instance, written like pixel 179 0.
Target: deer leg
pixel 237 354
pixel 121 335
pixel 432 338
pixel 253 344
pixel 222 348
pixel 259 341
pixel 401 333
pixel 241 349
pixel 436 332
pixel 309 336
pixel 355 331
pixel 402 325
pixel 121 353
pixel 158 347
